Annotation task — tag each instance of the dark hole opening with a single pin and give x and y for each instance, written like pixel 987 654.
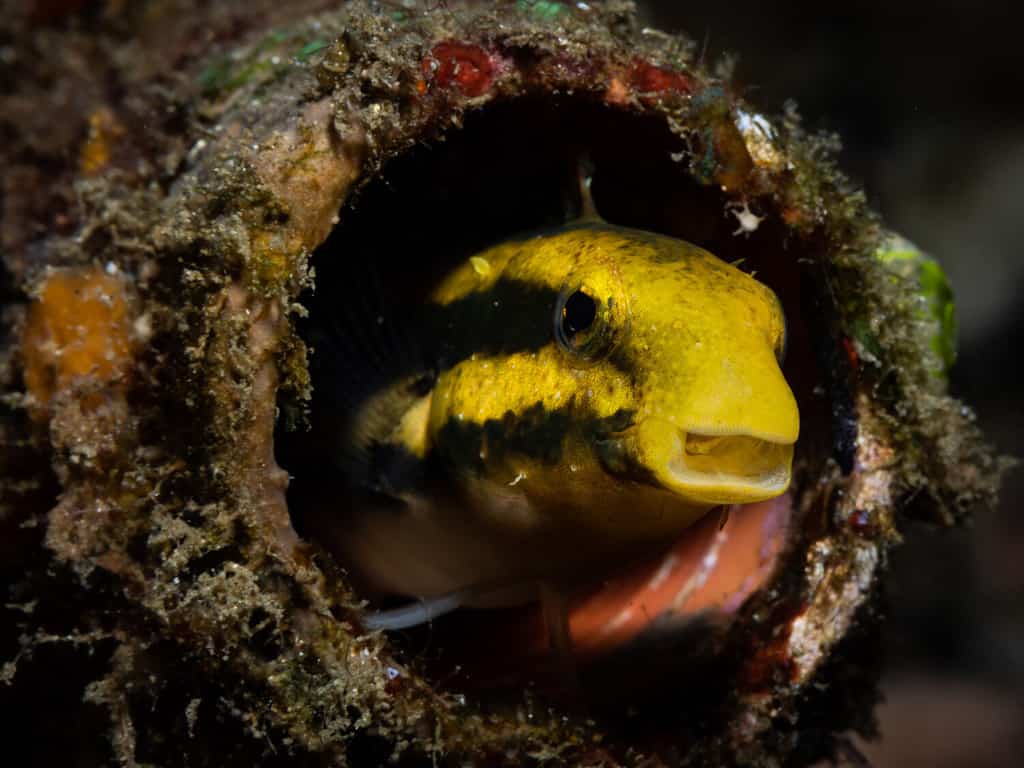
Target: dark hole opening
pixel 513 168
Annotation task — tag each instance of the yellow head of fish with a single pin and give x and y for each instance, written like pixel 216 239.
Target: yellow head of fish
pixel 622 383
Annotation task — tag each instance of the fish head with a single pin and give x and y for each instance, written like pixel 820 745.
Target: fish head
pixel 616 370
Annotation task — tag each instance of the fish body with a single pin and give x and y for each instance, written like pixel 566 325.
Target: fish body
pixel 583 396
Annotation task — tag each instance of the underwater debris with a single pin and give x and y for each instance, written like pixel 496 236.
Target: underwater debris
pixel 303 140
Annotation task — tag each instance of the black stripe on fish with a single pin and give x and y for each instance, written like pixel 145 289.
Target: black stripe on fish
pixel 511 316
pixel 378 344
pixel 537 433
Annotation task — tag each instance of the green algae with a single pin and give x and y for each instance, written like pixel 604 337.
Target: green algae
pixel 938 312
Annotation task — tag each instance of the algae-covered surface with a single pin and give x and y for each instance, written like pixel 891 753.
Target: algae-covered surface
pixel 171 169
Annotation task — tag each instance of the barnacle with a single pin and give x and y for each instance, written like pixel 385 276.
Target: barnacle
pixel 162 391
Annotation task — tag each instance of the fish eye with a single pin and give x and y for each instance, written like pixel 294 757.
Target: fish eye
pixel 589 321
pixel 578 314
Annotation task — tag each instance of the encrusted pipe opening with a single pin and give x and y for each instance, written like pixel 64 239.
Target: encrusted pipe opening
pixel 513 168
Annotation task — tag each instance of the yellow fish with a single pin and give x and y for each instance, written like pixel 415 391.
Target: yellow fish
pixel 580 397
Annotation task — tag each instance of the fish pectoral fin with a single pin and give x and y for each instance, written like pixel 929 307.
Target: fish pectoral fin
pixel 411 433
pixel 413 614
pixel 397 462
pixel 425 609
pixel 554 608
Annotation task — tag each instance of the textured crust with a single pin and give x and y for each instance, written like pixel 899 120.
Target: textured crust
pixel 149 475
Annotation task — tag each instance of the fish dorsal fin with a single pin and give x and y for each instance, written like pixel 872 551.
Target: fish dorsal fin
pixel 583 175
pixel 584 178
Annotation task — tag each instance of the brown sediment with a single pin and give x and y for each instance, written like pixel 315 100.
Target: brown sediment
pixel 166 543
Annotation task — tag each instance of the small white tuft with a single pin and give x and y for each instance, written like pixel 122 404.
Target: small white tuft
pixel 748 220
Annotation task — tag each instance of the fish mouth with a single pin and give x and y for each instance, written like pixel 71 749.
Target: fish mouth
pixel 728 469
pixel 740 467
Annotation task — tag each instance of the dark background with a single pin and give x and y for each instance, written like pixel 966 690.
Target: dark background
pixel 929 100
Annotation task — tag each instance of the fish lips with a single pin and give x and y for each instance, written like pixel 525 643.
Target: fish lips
pixel 709 469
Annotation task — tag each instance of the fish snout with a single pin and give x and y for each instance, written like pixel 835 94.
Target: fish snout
pixel 732 437
pixel 723 433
